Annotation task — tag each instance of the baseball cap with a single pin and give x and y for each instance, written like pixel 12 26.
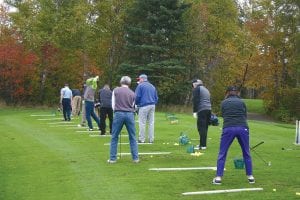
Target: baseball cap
pixel 142 76
pixel 231 88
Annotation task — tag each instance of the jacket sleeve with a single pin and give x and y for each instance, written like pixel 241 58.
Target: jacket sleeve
pixel 137 95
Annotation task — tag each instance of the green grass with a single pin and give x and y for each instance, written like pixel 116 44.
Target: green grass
pixel 39 160
pixel 255 105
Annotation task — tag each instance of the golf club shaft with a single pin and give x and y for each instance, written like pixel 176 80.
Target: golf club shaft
pixel 120 144
pixel 257 145
pixel 261 157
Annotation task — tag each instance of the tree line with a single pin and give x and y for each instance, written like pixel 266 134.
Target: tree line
pixel 254 45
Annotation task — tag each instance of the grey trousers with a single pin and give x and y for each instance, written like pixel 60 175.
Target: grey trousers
pixel 146 116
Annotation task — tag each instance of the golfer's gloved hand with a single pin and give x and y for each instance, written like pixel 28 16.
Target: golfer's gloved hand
pixel 195 115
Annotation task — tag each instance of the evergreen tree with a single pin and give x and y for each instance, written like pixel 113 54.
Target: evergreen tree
pixel 152 32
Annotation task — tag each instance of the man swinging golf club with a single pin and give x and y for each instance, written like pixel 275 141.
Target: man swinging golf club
pixel 234 113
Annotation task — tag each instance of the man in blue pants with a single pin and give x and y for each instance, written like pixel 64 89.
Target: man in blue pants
pixel 89 98
pixel 66 102
pixel 123 102
pixel 234 113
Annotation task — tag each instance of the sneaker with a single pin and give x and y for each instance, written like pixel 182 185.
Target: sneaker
pixel 199 147
pixel 140 141
pixel 136 161
pixel 111 161
pixel 90 129
pixel 251 179
pixel 217 181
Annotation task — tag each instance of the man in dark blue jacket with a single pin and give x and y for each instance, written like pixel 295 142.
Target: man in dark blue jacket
pixel 234 113
pixel 146 99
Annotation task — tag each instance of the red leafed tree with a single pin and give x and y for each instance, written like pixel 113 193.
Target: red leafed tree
pixel 17 72
pixel 17 65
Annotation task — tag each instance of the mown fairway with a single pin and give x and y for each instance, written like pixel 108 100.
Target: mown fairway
pixel 42 158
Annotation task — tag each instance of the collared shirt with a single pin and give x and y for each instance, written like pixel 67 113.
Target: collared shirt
pixel 66 93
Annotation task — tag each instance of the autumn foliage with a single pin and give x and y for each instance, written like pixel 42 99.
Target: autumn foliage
pixel 17 72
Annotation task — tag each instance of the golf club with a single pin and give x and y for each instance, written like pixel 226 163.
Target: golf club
pixel 267 163
pixel 288 149
pixel 120 144
pixel 257 145
pixel 252 148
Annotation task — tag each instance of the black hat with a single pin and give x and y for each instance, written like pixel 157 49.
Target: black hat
pixel 231 88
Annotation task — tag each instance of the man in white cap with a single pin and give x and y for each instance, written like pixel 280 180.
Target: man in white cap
pixel 201 110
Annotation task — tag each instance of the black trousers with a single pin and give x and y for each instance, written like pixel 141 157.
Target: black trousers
pixel 67 108
pixel 203 118
pixel 103 113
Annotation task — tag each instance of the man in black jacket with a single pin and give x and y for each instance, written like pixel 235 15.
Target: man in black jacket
pixel 105 95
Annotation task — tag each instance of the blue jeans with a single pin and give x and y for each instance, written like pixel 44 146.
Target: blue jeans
pixel 89 111
pixel 120 119
pixel 227 137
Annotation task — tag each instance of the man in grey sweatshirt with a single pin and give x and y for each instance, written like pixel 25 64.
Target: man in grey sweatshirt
pixel 201 110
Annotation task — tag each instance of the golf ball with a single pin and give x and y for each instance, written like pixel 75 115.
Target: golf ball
pixel 269 164
pixel 274 190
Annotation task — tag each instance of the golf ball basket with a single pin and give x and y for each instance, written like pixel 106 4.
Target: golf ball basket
pixel 183 139
pixel 238 163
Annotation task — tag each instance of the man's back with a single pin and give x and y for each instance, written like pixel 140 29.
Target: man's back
pixel 234 112
pixel 105 98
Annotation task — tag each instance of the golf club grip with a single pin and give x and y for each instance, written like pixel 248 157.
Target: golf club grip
pixel 257 145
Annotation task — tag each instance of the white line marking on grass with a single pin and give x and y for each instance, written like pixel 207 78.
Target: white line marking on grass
pixel 42 115
pixel 222 191
pixel 147 153
pixel 63 125
pixel 63 122
pixel 76 127
pixel 100 135
pixel 49 118
pixel 104 135
pixel 126 143
pixel 183 168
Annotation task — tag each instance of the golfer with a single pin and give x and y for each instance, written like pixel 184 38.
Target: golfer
pixel 66 101
pixel 146 99
pixel 201 110
pixel 123 103
pixel 234 113
pixel 105 95
pixel 89 98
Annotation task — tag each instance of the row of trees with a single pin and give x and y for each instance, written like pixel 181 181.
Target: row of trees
pixel 254 45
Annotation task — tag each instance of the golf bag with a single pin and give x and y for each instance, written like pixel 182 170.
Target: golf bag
pixel 214 121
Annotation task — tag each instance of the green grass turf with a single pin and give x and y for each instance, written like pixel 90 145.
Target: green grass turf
pixel 255 105
pixel 40 160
